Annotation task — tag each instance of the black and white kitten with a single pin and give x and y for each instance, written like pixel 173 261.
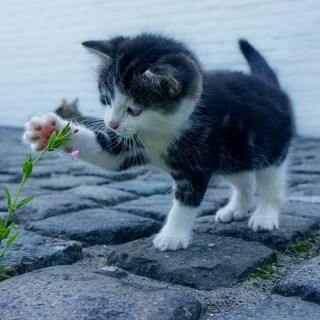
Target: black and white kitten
pixel 162 108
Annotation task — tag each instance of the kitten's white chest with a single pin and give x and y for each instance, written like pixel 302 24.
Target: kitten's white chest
pixel 157 151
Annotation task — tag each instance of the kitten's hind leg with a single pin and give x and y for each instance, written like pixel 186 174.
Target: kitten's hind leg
pixel 270 184
pixel 243 191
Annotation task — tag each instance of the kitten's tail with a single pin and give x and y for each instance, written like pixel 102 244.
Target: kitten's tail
pixel 257 63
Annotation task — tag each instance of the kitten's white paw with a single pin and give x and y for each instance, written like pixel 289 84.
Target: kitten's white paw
pixel 39 129
pixel 266 221
pixel 227 214
pixel 166 241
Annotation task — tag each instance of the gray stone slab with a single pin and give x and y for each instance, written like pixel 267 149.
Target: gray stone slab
pixel 101 194
pixel 302 209
pixel 130 174
pixel 209 262
pixel 276 308
pixel 97 226
pixel 143 187
pixel 27 190
pixel 64 182
pixel 51 205
pixel 305 199
pixel 304 281
pixel 154 207
pixel 3 215
pixel 291 229
pixel 73 293
pixel 31 251
pixel 158 206
pixel 306 189
pixel 301 179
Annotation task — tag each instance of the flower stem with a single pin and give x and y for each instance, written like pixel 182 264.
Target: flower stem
pixel 23 180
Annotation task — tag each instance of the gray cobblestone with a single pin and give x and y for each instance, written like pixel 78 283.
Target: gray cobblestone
pixel 108 211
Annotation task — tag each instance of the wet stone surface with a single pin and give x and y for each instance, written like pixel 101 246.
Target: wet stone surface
pixel 31 251
pixel 291 229
pixel 303 282
pixel 276 308
pixel 209 262
pixel 86 246
pixel 98 226
pixel 72 293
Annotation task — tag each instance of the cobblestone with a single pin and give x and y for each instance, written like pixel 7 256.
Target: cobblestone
pixel 101 224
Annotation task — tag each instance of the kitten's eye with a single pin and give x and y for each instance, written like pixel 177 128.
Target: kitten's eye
pixel 133 112
pixel 107 100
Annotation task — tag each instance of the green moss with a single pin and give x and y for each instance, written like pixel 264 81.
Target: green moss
pixel 301 246
pixel 265 271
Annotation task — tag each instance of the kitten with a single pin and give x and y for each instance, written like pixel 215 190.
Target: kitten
pixel 162 108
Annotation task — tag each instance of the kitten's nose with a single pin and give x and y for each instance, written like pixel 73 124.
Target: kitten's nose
pixel 113 125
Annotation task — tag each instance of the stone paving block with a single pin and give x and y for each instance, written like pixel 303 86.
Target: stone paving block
pixel 101 194
pixel 306 168
pixel 306 189
pixel 154 207
pixel 52 205
pixel 28 190
pixel 305 199
pixel 96 226
pixel 291 229
pixel 143 187
pixel 7 178
pixel 158 206
pixel 294 179
pixel 32 251
pixel 276 308
pixel 64 182
pixel 209 262
pixel 3 215
pixel 302 209
pixel 73 293
pixel 304 281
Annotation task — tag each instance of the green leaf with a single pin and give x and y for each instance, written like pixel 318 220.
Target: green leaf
pixel 52 138
pixel 58 143
pixel 27 169
pixel 4 233
pixel 24 201
pixel 9 242
pixel 7 192
pixel 1 223
pixel 13 225
pixel 64 131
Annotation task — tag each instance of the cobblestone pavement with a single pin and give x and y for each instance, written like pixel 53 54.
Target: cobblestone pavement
pixel 85 250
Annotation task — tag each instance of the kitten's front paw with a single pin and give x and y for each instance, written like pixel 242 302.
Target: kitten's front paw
pixel 264 221
pixel 165 241
pixel 39 129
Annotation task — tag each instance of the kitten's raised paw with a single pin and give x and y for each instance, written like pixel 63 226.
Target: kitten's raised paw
pixel 165 241
pixel 39 129
pixel 264 222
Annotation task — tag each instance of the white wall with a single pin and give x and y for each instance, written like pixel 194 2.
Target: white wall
pixel 42 61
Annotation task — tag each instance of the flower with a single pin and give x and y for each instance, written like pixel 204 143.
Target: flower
pixel 74 155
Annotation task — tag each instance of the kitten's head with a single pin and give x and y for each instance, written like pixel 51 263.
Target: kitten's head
pixel 148 83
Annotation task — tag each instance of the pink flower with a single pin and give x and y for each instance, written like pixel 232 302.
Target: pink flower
pixel 74 155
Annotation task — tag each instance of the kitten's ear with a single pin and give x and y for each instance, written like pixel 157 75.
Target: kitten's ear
pixel 165 82
pixel 104 49
pixel 74 104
